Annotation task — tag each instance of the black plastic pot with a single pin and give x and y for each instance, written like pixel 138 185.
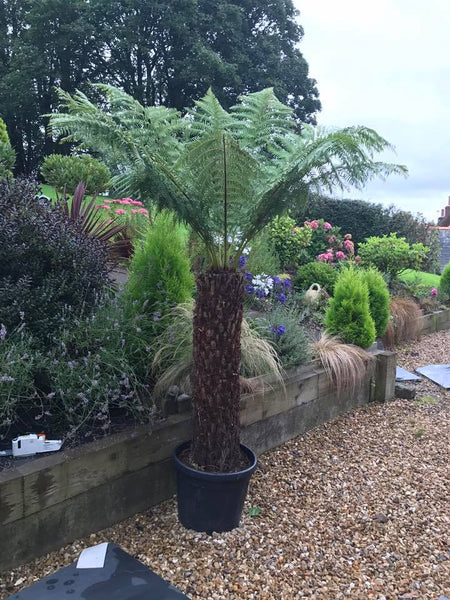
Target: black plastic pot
pixel 211 501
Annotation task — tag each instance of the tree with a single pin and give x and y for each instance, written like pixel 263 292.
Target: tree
pixel 159 52
pixel 226 174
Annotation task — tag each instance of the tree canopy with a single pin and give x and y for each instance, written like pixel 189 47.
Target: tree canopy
pixel 160 53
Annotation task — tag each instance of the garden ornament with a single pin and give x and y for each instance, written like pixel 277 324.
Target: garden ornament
pixel 312 296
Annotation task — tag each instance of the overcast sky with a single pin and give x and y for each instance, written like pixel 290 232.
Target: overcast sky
pixel 386 65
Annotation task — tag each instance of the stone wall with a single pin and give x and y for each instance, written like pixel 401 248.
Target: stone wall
pixel 51 501
pixel 444 244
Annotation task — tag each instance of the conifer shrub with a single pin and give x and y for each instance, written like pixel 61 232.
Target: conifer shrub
pixel 316 272
pixel 160 275
pixel 7 154
pixel 378 299
pixel 348 315
pixel 444 284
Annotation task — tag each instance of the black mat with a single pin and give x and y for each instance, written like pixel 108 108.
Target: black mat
pixel 122 577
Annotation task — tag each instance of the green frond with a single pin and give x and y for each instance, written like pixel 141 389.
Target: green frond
pixel 227 174
pixel 207 116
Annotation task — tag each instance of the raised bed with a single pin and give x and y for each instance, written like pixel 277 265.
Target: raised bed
pixel 436 321
pixel 53 500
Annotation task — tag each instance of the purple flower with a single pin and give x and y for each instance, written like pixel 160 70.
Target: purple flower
pixel 281 298
pixel 278 329
pixel 249 289
pixel 248 276
pixel 242 261
pixel 287 283
pixel 276 280
pixel 433 292
pixel 260 293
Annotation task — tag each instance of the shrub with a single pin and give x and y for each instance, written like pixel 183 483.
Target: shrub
pixel 391 254
pixel 444 284
pixel 378 299
pixel 404 323
pixel 348 314
pixel 288 240
pixel 83 384
pixel 7 154
pixel 66 172
pixel 316 272
pixel 365 219
pixel 160 274
pixel 281 327
pixel 48 267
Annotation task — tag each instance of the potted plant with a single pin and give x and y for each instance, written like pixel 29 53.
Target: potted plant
pixel 227 174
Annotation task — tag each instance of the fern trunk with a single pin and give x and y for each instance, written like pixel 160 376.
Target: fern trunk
pixel 217 355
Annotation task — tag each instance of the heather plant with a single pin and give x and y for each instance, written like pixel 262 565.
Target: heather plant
pixel 391 254
pixel 378 299
pixel 348 315
pixel 47 265
pixel 66 172
pixel 316 272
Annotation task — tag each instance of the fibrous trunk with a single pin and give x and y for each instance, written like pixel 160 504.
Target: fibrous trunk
pixel 217 355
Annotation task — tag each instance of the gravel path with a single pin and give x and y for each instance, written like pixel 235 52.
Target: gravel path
pixel 358 508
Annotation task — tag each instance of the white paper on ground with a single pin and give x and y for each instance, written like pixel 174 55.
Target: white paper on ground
pixel 93 557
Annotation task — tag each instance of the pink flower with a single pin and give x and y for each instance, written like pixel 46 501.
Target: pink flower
pixel 143 211
pixel 348 236
pixel 134 211
pixel 314 224
pixel 349 246
pixel 125 201
pixel 340 255
pixel 120 211
pixel 433 292
pixel 322 257
pixel 135 202
pixel 107 201
pixel 357 259
pixel 103 206
pixel 326 225
pixel 307 224
pixel 331 239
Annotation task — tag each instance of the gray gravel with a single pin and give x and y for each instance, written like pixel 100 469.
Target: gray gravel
pixel 358 508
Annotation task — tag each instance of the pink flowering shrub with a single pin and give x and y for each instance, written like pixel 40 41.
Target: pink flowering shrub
pixel 130 212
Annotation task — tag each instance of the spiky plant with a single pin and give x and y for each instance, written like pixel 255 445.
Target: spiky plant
pixel 85 213
pixel 173 362
pixel 227 174
pixel 404 323
pixel 345 364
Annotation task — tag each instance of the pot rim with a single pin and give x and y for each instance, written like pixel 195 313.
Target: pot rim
pixel 181 466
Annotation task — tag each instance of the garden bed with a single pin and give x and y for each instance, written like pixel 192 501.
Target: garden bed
pixel 356 508
pixel 58 498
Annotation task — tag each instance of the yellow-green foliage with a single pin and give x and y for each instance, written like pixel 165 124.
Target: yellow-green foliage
pixel 160 275
pixel 7 154
pixel 348 314
pixel 378 299
pixel 444 284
